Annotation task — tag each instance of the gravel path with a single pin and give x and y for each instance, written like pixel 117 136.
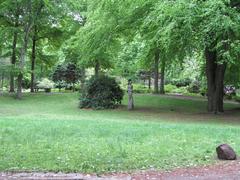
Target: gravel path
pixel 222 171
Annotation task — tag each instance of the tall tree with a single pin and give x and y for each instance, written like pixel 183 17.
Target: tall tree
pixel 10 20
pixel 27 26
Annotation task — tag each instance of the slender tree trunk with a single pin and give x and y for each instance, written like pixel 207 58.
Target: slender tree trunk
pixel 33 58
pixel 149 81
pixel 215 80
pixel 2 83
pixel 27 30
pixel 13 59
pixel 97 68
pixel 163 65
pixel 19 85
pixel 156 71
pixel 73 87
pixel 83 77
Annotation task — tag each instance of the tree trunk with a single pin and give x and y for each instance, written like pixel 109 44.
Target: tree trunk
pixel 33 60
pixel 22 59
pixel 73 87
pixel 163 65
pixel 211 58
pixel 156 71
pixel 13 59
pixel 83 76
pixel 149 82
pixel 19 86
pixel 219 78
pixel 97 68
pixel 2 83
pixel 215 82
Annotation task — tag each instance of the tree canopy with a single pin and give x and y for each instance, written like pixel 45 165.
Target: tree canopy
pixel 124 38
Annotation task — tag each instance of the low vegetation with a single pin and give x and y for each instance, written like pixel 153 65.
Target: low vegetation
pixel 50 133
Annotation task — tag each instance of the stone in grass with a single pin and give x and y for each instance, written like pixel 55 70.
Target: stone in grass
pixel 226 152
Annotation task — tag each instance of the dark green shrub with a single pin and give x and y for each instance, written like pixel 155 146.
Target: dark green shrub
pixel 26 82
pixel 194 87
pixel 203 91
pixel 101 93
pixel 179 82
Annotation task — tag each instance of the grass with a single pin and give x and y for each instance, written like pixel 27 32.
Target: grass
pixel 49 133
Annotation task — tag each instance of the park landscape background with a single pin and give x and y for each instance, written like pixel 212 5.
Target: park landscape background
pixel 60 61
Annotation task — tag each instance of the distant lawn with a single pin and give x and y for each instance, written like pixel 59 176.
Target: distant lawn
pixel 49 133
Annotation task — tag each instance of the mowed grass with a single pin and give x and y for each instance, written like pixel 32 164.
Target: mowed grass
pixel 50 133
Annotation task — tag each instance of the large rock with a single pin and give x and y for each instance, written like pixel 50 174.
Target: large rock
pixel 226 152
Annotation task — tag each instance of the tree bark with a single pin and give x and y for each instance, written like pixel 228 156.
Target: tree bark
pixel 33 58
pixel 27 30
pixel 215 82
pixel 14 58
pixel 219 78
pixel 2 83
pixel 149 81
pixel 163 65
pixel 97 68
pixel 211 58
pixel 83 77
pixel 19 86
pixel 156 71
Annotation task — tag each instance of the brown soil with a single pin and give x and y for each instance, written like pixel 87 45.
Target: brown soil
pixel 225 170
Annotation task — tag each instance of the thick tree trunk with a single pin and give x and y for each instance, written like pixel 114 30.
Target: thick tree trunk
pixel 219 79
pixel 13 59
pixel 97 68
pixel 215 82
pixel 163 65
pixel 33 59
pixel 211 58
pixel 156 71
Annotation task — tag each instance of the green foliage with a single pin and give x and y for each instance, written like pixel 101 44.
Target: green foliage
pixel 66 75
pixel 183 82
pixel 142 89
pixel 72 73
pixel 26 81
pixel 181 90
pixel 58 76
pixel 194 87
pixel 101 93
pixel 176 90
pixel 238 92
pixel 169 88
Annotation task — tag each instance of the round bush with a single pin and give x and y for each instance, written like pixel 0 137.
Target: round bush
pixel 101 92
pixel 45 84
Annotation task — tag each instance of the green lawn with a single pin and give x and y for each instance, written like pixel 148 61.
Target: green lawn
pixel 49 133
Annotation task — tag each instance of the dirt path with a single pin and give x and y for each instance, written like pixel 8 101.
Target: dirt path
pixel 221 171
